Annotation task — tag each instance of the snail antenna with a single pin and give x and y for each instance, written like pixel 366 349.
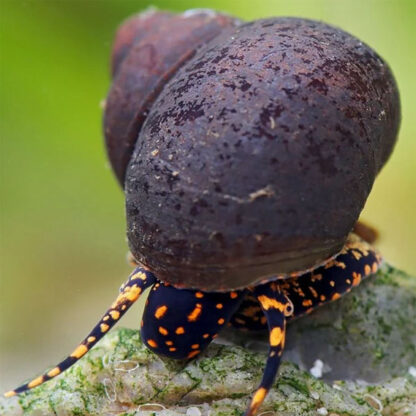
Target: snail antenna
pixel 275 306
pixel 130 291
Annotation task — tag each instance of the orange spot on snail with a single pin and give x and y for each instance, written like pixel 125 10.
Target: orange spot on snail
pixel 193 353
pixel 163 331
pixel 152 343
pixel 194 315
pixel 160 311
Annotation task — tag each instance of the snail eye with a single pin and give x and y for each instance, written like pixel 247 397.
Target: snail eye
pixel 289 308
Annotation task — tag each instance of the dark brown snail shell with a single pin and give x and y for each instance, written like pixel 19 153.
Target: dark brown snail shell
pixel 257 155
pixel 148 50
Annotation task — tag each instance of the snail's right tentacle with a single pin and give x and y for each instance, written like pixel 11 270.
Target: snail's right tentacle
pixel 130 291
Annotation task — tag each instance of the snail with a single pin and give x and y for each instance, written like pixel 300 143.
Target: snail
pixel 246 152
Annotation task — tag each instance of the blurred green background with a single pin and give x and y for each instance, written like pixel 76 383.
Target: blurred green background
pixel 63 244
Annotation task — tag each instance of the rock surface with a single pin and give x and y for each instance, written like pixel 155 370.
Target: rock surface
pixel 366 337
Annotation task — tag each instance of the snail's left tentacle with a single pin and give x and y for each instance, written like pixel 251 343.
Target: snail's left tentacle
pixel 329 282
pixel 180 323
pixel 274 305
pixel 130 291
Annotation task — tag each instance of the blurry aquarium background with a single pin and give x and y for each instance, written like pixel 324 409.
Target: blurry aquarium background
pixel 63 245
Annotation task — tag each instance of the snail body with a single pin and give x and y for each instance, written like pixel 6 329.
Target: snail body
pixel 246 153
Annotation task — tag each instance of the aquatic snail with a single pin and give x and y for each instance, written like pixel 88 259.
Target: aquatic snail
pixel 246 152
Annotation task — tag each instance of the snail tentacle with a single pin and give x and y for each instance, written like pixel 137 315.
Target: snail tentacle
pixel 130 291
pixel 273 304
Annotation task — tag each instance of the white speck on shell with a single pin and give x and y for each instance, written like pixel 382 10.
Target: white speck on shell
pixel 412 371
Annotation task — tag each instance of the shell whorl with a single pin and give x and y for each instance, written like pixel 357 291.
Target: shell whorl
pixel 148 50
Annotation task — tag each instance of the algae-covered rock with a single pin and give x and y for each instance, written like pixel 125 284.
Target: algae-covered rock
pixel 366 336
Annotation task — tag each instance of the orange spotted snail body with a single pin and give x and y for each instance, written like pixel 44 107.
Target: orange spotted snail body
pixel 246 152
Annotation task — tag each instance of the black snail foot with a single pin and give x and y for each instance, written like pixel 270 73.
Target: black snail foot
pixel 120 374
